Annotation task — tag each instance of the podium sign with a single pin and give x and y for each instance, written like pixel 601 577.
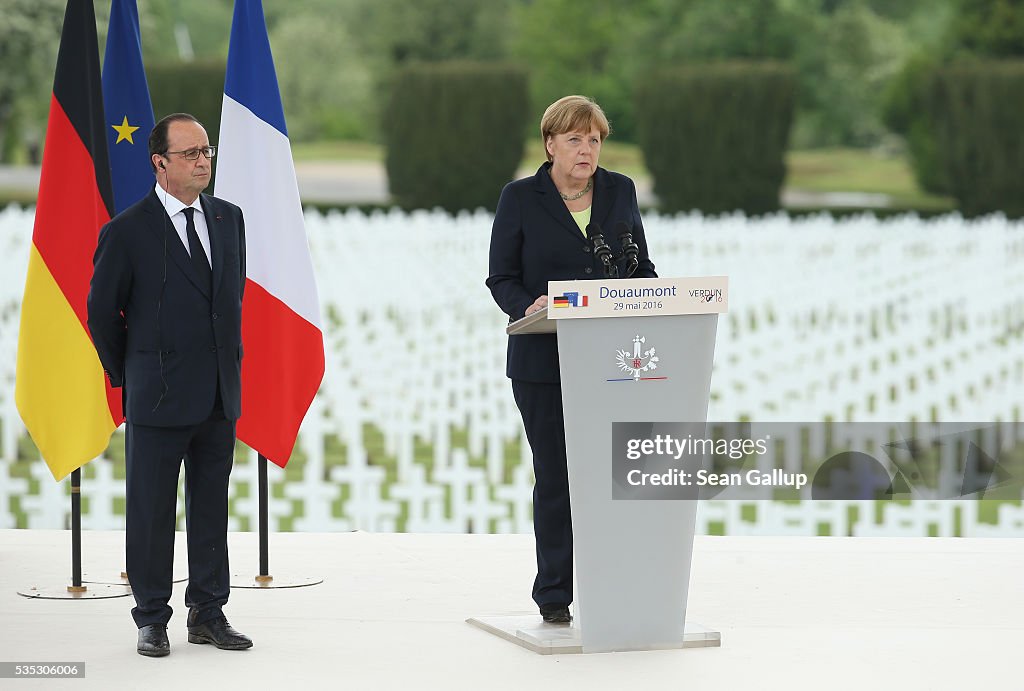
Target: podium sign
pixel 648 297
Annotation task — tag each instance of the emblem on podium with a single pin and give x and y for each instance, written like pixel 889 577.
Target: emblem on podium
pixel 638 361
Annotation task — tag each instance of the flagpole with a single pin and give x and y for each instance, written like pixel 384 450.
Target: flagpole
pixel 264 580
pixel 264 575
pixel 76 533
pixel 77 590
pixel 69 424
pixel 282 331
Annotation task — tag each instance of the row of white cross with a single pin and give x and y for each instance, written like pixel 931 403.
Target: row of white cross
pixel 859 320
pixel 481 507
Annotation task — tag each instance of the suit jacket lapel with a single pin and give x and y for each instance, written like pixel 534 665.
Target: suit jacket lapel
pixel 161 224
pixel 213 225
pixel 553 204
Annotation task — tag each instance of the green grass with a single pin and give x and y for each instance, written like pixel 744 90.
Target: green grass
pixel 617 156
pixel 859 170
pixel 338 151
pixel 815 170
pixel 852 170
pixel 373 443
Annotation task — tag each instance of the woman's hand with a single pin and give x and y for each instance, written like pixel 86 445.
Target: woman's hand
pixel 538 304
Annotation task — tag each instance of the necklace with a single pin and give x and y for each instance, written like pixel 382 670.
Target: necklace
pixel 574 197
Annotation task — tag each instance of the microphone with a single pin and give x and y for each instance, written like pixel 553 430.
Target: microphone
pixel 630 250
pixel 602 251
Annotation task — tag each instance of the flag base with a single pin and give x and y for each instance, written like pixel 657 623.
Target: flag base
pixel 266 582
pixel 72 592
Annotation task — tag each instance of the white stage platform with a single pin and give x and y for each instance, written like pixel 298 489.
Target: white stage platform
pixel 794 613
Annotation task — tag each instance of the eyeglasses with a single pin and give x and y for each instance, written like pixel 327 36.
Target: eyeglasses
pixel 193 154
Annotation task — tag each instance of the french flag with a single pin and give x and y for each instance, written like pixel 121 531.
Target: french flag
pixel 281 333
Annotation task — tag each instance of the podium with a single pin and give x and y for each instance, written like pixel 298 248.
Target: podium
pixel 636 351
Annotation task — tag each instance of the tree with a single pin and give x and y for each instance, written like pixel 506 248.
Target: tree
pixel 946 33
pixel 594 52
pixel 705 30
pixel 29 36
pixel 844 69
pixel 208 26
pixel 606 50
pixel 323 99
pixel 989 28
pixel 402 32
pixel 391 34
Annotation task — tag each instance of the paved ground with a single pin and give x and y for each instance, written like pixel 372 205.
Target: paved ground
pixel 20 178
pixel 794 613
pixel 354 182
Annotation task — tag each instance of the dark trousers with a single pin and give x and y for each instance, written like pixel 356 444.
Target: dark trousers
pixel 541 408
pixel 154 456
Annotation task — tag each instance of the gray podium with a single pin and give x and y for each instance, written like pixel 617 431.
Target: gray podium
pixel 638 350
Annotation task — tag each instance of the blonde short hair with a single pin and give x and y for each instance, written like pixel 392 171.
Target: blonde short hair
pixel 572 114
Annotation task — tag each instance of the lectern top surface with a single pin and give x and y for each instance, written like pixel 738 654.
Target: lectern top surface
pixel 536 323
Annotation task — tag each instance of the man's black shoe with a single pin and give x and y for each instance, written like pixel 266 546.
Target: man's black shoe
pixel 153 641
pixel 218 632
pixel 555 613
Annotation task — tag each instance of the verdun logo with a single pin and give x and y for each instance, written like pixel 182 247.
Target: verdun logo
pixel 707 294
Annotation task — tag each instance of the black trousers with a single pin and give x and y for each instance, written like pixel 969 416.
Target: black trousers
pixel 541 408
pixel 153 461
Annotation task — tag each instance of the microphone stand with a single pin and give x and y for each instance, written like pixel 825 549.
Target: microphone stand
pixel 630 250
pixel 603 252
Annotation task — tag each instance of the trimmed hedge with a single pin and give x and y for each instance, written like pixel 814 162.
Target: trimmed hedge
pixel 977 111
pixel 454 133
pixel 714 135
pixel 909 111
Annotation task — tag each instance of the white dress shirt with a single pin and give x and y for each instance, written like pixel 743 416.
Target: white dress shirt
pixel 176 211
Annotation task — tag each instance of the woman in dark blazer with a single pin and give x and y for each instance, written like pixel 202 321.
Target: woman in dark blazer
pixel 540 234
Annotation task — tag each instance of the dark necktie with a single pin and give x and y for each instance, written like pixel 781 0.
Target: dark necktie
pixel 195 248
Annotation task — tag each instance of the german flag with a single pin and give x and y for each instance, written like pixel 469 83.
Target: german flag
pixel 61 391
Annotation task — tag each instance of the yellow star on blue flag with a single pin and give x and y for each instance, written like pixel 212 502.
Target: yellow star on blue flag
pixel 125 91
pixel 124 131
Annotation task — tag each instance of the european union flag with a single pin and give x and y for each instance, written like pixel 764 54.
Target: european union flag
pixel 127 106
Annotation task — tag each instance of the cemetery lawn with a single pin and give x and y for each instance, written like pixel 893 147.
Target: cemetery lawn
pixel 813 170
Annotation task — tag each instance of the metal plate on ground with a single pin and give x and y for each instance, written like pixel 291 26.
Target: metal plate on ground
pixel 257 582
pixel 95 591
pixel 532 633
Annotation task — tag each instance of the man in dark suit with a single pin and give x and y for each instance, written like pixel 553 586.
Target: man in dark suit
pixel 165 313
pixel 542 232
